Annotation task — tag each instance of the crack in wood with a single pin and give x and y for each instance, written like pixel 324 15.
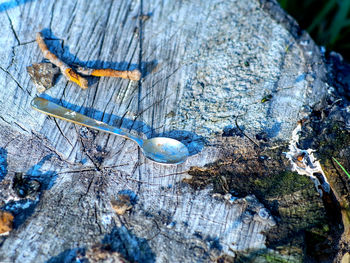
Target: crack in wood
pixel 13 29
pixel 20 126
pixel 47 145
pixel 59 128
pixel 15 80
pixel 3 119
pixel 86 151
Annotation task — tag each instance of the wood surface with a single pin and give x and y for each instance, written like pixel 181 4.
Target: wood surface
pixel 206 65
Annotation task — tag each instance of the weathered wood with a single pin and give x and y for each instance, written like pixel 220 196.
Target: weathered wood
pixel 206 67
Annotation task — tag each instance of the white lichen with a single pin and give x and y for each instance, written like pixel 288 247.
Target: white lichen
pixel 305 163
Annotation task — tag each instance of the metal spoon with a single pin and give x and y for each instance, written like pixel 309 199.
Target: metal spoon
pixel 159 149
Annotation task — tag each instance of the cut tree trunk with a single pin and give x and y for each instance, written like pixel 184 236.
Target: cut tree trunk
pixel 230 79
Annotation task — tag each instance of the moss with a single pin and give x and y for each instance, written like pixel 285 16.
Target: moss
pixel 318 234
pixel 267 256
pixel 291 198
pixel 275 259
pixel 293 201
pixel 281 184
pixel 332 142
pixel 319 243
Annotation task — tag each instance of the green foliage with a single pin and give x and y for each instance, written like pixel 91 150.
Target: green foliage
pixel 346 172
pixel 328 21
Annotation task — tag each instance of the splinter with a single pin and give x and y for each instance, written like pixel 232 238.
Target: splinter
pixel 67 71
pixel 125 74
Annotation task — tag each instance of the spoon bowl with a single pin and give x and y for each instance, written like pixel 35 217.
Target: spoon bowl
pixel 165 150
pixel 159 149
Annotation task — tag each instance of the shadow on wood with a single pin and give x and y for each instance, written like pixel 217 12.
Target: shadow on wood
pixel 121 240
pixel 193 141
pixel 133 248
pixel 3 163
pixel 68 255
pixel 63 52
pixel 12 4
pixel 25 207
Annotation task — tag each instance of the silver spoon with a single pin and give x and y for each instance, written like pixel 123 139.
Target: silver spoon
pixel 159 149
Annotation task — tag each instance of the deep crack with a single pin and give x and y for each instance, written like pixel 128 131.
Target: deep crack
pixel 13 29
pixel 15 80
pixel 12 57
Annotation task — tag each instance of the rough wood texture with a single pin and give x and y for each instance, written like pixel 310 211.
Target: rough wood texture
pixel 206 66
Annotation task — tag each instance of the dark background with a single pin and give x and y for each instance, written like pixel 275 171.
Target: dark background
pixel 327 21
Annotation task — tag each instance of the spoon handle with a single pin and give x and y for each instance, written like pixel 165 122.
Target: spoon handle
pixel 55 110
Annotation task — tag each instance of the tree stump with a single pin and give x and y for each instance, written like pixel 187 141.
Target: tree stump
pixel 230 79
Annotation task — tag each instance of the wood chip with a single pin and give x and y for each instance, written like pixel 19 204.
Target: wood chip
pixel 43 75
pixel 100 253
pixel 6 220
pixel 122 204
pixel 346 258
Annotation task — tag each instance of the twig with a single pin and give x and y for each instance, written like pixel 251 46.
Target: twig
pixel 67 71
pixel 125 74
pixel 244 133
